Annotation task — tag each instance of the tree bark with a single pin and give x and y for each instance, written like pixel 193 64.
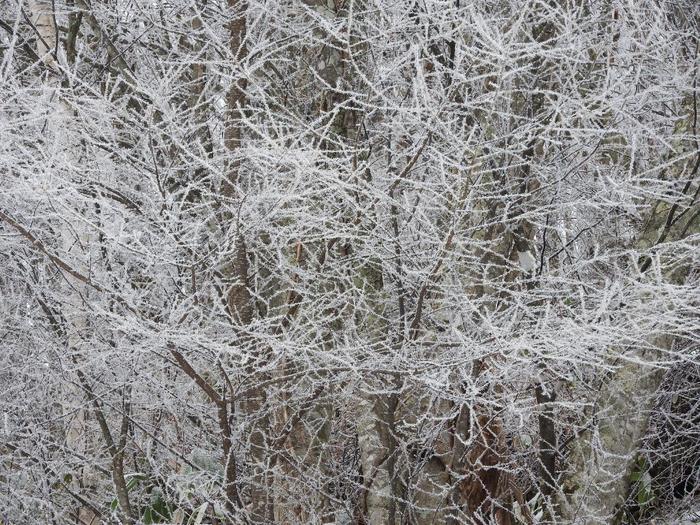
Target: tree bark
pixel 602 456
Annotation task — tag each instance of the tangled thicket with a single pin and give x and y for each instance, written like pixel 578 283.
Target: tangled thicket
pixel 349 261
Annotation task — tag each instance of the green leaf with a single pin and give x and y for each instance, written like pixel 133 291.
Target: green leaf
pixel 134 479
pixel 161 508
pixel 645 495
pixel 199 516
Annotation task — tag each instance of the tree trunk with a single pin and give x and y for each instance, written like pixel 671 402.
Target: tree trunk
pixel 602 456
